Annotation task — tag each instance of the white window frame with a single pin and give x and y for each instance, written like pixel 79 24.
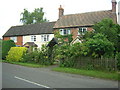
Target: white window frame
pixel 33 38
pixel 45 38
pixel 14 39
pixel 64 31
pixel 82 31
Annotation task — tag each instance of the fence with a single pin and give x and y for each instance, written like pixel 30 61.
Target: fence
pixel 97 64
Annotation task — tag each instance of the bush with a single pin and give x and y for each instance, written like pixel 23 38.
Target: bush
pixel 100 46
pixel 67 54
pixel 30 57
pixel 16 53
pixel 118 60
pixel 42 56
pixel 6 45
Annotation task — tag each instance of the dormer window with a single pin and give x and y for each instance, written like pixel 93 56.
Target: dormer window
pixel 64 31
pixel 82 30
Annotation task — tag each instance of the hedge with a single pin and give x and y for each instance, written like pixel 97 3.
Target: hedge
pixel 16 53
pixel 6 45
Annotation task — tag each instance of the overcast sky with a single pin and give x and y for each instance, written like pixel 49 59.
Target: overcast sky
pixel 10 10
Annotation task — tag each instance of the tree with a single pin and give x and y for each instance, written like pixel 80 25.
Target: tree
pixel 99 46
pixel 109 29
pixel 37 16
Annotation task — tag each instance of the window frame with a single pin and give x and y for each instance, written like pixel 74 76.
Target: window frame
pixel 82 31
pixel 33 38
pixel 45 38
pixel 65 31
pixel 14 39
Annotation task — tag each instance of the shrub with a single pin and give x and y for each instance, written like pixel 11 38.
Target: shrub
pixel 118 60
pixel 6 45
pixel 45 56
pixel 30 57
pixel 67 54
pixel 42 56
pixel 100 46
pixel 16 53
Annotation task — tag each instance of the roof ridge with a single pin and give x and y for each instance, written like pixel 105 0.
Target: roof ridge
pixel 87 12
pixel 32 24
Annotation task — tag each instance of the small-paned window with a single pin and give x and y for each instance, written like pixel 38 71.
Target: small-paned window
pixel 64 31
pixel 33 38
pixel 82 30
pixel 44 38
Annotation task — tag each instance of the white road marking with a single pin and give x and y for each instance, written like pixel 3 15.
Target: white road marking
pixel 31 82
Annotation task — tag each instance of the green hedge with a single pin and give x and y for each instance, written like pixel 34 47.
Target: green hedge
pixel 6 45
pixel 118 60
pixel 16 53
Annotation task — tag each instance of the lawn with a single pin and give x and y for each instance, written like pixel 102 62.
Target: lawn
pixel 92 73
pixel 34 65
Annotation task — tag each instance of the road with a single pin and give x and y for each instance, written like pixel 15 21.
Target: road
pixel 15 76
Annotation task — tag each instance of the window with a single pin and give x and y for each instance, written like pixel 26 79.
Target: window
pixel 14 39
pixel 33 38
pixel 64 31
pixel 82 30
pixel 44 38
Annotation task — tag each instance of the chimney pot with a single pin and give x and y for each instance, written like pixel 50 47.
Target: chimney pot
pixel 61 11
pixel 114 6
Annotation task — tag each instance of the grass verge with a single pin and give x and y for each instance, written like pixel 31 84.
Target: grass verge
pixel 34 65
pixel 92 73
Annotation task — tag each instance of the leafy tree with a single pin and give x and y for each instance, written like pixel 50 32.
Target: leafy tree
pixel 37 16
pixel 111 30
pixel 99 46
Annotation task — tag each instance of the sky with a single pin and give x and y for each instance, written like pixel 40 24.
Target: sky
pixel 10 10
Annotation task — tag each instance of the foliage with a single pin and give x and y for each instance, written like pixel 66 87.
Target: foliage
pixel 109 29
pixel 100 46
pixel 71 55
pixel 63 38
pixel 39 56
pixel 118 60
pixel 67 54
pixel 16 53
pixel 37 16
pixel 6 45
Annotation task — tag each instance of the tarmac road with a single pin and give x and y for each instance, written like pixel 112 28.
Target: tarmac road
pixel 15 76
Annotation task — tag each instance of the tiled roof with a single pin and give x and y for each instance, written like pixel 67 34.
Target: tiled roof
pixel 84 19
pixel 31 29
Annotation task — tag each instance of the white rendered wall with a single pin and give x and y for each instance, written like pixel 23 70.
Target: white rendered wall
pixel 38 41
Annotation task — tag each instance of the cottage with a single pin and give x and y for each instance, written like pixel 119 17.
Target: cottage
pixel 77 24
pixel 40 33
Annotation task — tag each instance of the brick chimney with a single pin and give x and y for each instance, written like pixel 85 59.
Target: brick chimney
pixel 61 11
pixel 114 6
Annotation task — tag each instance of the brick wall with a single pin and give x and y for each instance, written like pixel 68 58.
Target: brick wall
pixel 19 40
pixel 6 38
pixel 74 31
